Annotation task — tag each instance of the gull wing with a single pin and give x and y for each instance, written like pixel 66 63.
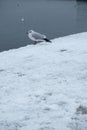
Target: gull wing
pixel 38 36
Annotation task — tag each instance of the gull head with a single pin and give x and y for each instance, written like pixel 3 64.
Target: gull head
pixel 30 31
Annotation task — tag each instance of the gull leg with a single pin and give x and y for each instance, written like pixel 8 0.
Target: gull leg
pixel 35 43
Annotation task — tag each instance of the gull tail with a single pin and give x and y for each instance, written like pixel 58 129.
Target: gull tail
pixel 47 40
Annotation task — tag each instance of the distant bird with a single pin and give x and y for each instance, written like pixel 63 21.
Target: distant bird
pixel 37 37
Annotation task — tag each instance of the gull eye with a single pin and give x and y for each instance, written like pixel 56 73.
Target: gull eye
pixel 30 31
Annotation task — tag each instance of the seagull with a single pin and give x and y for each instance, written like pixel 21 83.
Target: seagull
pixel 37 37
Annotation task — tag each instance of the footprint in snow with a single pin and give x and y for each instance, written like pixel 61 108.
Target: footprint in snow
pixel 44 96
pixel 2 70
pixel 47 128
pixel 63 50
pixel 79 119
pixel 46 109
pixel 20 74
pixel 81 110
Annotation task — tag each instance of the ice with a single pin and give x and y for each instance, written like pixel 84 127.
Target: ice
pixel 43 86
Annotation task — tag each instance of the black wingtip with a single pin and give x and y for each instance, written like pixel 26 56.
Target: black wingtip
pixel 47 40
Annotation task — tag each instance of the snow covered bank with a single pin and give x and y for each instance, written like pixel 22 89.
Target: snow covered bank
pixel 44 86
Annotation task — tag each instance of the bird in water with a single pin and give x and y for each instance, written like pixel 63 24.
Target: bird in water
pixel 37 37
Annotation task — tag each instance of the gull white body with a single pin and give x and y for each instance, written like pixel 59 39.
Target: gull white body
pixel 37 37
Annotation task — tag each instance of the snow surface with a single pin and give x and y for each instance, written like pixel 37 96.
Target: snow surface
pixel 44 86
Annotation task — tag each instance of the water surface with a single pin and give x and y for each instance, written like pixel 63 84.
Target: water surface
pixel 54 18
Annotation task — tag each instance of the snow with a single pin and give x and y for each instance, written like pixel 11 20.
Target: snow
pixel 43 86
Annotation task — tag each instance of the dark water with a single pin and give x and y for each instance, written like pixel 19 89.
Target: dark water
pixel 54 18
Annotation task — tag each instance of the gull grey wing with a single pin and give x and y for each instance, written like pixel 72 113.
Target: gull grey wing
pixel 38 36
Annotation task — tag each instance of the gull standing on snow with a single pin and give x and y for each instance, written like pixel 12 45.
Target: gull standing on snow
pixel 37 37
